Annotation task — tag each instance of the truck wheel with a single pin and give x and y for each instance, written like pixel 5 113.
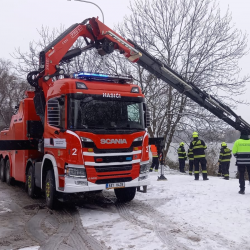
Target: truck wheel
pixel 9 179
pixel 2 170
pixel 125 194
pixel 30 183
pixel 50 190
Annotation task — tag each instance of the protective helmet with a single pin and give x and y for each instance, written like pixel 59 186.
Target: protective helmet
pixel 182 144
pixel 223 144
pixel 195 134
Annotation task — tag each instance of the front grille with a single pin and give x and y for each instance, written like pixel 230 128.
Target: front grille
pixel 113 150
pixel 104 181
pixel 108 159
pixel 114 168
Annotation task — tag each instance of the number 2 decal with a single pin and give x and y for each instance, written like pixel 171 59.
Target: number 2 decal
pixel 74 151
pixel 147 149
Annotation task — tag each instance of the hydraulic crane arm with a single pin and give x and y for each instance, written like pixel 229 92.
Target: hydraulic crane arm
pixel 163 72
pixel 106 41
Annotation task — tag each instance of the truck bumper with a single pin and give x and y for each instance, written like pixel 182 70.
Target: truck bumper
pixel 78 185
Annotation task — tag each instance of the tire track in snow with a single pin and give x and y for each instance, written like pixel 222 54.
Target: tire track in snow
pixel 163 234
pixel 33 227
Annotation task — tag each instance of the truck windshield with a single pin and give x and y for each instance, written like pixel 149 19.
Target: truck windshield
pixel 97 113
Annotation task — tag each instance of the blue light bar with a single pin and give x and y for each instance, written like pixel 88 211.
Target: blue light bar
pixel 102 77
pixel 91 74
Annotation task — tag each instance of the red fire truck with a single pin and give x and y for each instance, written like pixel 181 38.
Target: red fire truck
pixel 83 132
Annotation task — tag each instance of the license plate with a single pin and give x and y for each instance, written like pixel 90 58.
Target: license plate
pixel 81 183
pixel 115 185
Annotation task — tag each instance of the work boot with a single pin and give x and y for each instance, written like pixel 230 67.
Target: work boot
pixel 219 175
pixel 190 174
pixel 156 170
pixel 196 177
pixel 242 191
pixel 151 169
pixel 204 175
pixel 226 178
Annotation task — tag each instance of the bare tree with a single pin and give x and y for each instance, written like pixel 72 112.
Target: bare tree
pixel 12 91
pixel 193 38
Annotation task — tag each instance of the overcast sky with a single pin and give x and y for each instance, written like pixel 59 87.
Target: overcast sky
pixel 20 19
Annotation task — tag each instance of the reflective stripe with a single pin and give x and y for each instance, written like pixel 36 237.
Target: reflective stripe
pixel 180 157
pixel 155 156
pixel 242 153
pixel 191 159
pixel 243 159
pixel 241 162
pixel 225 160
pixel 201 146
pixel 181 152
pixel 196 172
pixel 204 171
pixel 199 156
pixel 226 174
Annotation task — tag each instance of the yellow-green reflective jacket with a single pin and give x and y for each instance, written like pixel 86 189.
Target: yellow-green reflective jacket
pixel 225 154
pixel 181 153
pixel 198 147
pixel 241 151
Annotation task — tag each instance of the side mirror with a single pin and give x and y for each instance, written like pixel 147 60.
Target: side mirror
pixel 147 116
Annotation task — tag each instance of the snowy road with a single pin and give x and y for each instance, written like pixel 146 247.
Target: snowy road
pixel 179 213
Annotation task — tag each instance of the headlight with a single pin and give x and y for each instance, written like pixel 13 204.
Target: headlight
pixel 84 139
pixel 139 138
pixel 144 168
pixel 75 172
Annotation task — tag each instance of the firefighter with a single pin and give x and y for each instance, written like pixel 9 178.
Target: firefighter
pixel 182 157
pixel 224 160
pixel 155 159
pixel 241 150
pixel 191 160
pixel 198 146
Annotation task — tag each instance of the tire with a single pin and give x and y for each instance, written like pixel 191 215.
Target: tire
pixel 125 194
pixel 30 183
pixel 50 190
pixel 2 170
pixel 9 179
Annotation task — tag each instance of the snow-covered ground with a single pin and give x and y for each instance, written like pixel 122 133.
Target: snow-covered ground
pixel 179 213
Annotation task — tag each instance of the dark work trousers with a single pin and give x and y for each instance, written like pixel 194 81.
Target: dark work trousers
pixel 220 172
pixel 191 166
pixel 197 162
pixel 182 165
pixel 242 169
pixel 225 168
pixel 155 163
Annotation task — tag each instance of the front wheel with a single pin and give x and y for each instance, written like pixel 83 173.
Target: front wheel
pixel 2 170
pixel 125 194
pixel 50 190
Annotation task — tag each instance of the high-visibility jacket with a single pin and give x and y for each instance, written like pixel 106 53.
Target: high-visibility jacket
pixel 198 147
pixel 241 151
pixel 225 154
pixel 181 153
pixel 154 151
pixel 190 154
